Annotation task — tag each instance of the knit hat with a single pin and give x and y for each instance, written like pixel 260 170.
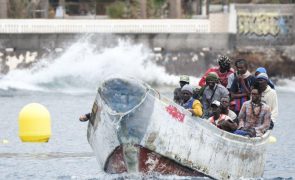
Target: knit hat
pixel 262 76
pixel 184 78
pixel 223 61
pixel 216 103
pixel 212 76
pixel 188 88
pixel 261 70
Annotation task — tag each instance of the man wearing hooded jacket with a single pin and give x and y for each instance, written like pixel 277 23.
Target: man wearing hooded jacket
pixel 189 103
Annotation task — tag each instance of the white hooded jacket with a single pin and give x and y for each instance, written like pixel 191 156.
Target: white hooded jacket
pixel 269 97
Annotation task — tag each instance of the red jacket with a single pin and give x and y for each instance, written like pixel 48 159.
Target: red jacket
pixel 222 76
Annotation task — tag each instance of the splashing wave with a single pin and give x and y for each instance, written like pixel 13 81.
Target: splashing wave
pixel 82 66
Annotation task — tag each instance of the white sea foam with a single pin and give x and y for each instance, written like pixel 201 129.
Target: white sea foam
pixel 82 66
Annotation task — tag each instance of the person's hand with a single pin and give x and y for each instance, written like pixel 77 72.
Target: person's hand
pixel 220 122
pixel 83 118
pixel 240 77
pixel 252 132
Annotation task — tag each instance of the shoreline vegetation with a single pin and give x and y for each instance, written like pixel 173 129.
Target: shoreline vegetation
pixel 123 9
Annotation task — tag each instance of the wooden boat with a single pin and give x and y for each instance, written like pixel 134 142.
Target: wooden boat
pixel 134 129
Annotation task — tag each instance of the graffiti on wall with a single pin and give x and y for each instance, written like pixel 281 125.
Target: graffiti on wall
pixel 264 24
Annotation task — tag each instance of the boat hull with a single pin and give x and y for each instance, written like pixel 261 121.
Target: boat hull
pixel 156 135
pixel 147 162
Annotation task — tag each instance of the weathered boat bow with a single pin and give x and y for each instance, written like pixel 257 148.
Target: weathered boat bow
pixel 132 129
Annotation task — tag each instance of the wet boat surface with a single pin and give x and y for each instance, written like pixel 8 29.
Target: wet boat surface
pixel 135 129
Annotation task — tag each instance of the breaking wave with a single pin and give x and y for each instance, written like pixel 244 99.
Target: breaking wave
pixel 82 66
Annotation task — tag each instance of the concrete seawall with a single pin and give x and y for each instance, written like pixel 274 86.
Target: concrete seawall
pixel 170 42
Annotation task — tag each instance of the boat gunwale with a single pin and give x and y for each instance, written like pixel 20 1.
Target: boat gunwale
pixel 231 136
pixel 203 122
pixel 217 131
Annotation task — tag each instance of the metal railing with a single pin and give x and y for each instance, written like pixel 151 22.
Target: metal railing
pixel 104 26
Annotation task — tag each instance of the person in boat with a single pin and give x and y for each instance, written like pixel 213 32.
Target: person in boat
pixel 263 70
pixel 183 80
pixel 220 119
pixel 269 96
pixel 85 117
pixel 223 71
pixel 213 91
pixel 201 91
pixel 225 109
pixel 189 103
pixel 254 118
pixel 197 92
pixel 241 86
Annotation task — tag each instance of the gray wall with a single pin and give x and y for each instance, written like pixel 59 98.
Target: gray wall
pixel 170 42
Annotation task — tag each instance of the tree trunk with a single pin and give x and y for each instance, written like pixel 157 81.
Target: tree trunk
pixel 44 4
pixel 174 9
pixel 143 13
pixel 3 9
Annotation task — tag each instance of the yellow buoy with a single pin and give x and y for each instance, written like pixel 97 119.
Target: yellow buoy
pixel 34 123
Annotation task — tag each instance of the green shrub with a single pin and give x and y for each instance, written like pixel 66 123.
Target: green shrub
pixel 18 9
pixel 116 10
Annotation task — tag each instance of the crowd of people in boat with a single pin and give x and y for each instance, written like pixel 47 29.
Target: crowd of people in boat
pixel 234 100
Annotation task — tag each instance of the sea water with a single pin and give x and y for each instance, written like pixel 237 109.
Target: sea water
pixel 67 86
